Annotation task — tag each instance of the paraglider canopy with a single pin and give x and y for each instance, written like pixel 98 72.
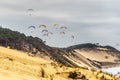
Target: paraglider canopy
pixel 117 44
pixel 45 30
pixel 45 34
pixel 55 25
pixel 50 33
pixel 44 26
pixel 63 27
pixel 30 9
pixel 31 27
pixel 62 33
pixel 72 37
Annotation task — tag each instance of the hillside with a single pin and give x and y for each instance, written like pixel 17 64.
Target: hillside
pixel 82 55
pixel 94 55
pixel 33 45
pixel 17 65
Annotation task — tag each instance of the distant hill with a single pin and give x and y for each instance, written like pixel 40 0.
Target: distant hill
pixel 85 55
pixel 91 46
pixel 94 55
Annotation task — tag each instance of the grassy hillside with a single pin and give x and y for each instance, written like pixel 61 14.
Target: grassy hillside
pixel 73 56
pixel 17 65
pixel 34 45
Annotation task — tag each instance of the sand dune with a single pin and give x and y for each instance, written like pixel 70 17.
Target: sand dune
pixel 98 55
pixel 17 65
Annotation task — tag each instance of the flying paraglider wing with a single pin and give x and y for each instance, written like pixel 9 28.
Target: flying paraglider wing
pixel 72 37
pixel 55 25
pixel 117 44
pixel 45 34
pixel 44 26
pixel 63 27
pixel 50 33
pixel 31 27
pixel 62 33
pixel 45 30
pixel 30 9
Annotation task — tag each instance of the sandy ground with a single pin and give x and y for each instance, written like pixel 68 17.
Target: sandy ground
pixel 17 65
pixel 98 56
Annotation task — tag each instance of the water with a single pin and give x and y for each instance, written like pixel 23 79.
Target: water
pixel 114 71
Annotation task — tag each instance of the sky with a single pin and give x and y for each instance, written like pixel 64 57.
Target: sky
pixel 89 21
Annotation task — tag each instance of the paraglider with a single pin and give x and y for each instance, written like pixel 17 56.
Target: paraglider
pixel 30 11
pixel 72 37
pixel 45 34
pixel 63 27
pixel 31 27
pixel 55 25
pixel 62 33
pixel 117 44
pixel 44 26
pixel 50 33
pixel 45 30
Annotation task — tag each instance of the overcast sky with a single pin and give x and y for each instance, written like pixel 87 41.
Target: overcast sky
pixel 90 21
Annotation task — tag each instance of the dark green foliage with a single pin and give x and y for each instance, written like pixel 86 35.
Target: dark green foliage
pixel 87 45
pixel 18 40
pixel 73 75
pixel 77 75
pixel 109 47
pixel 90 46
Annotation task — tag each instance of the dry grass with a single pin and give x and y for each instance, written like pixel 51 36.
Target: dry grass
pixel 17 65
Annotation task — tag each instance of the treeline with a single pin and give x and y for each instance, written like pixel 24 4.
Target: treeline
pixel 91 46
pixel 17 40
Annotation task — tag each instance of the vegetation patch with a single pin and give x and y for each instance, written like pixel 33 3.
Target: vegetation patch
pixel 77 75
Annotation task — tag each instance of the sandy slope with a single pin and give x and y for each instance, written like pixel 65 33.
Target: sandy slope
pixel 98 56
pixel 10 75
pixel 17 65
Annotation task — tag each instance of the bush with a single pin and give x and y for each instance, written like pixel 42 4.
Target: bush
pixel 42 72
pixel 73 75
pixel 77 75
